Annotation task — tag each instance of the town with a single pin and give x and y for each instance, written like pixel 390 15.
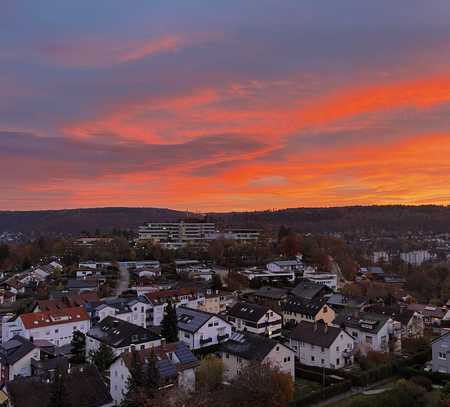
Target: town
pixel 187 312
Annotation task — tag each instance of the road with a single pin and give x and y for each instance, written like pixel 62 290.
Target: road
pixel 123 282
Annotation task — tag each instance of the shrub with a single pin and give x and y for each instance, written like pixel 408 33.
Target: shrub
pixel 422 381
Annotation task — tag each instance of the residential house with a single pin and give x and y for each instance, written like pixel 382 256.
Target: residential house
pixel 56 326
pixel 432 316
pixel 70 300
pixel 90 264
pixel 261 274
pixel 318 344
pixel 309 290
pixel 15 358
pixel 175 362
pixel 441 354
pixel 373 272
pixel 255 318
pixel 184 296
pixel 243 348
pixel 199 329
pixel 121 336
pixel 81 286
pixel 270 296
pixel 339 302
pixel 283 266
pixel 412 322
pixel 370 331
pixel 133 310
pixel 296 310
pixel 84 388
pixel 328 279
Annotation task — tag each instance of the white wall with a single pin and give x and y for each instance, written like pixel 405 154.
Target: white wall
pixel 23 366
pixel 219 326
pixel 280 356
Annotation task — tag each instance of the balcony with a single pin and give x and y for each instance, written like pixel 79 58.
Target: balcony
pixel 205 341
pixel 221 338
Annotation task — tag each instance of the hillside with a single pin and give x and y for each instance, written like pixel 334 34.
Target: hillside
pixel 74 221
pixel 345 219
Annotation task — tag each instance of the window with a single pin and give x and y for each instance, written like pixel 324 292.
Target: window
pixel 313 358
pixel 355 334
pixel 210 324
pixel 227 356
pixel 322 361
pixel 369 339
pixel 442 355
pixel 277 348
pixel 325 309
pixel 337 362
pixel 322 349
pixel 186 335
pixel 337 348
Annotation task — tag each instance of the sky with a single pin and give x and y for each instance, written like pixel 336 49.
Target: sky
pixel 221 105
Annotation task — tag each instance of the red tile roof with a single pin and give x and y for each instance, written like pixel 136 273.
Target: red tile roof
pixel 55 317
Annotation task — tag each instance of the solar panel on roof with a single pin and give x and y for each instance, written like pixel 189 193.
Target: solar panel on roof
pixel 13 343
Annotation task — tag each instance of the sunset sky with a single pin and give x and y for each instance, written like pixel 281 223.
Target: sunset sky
pixel 224 105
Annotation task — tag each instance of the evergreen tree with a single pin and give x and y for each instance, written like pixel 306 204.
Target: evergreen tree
pixel 152 377
pixel 102 358
pixel 78 347
pixel 58 393
pixel 135 383
pixel 169 324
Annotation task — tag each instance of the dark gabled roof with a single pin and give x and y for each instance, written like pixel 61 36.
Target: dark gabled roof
pixel 248 311
pixel 167 365
pixel 301 306
pixel 341 300
pixel 363 321
pixel 192 320
pixel 249 346
pixel 271 293
pixel 117 333
pixel 309 290
pixel 119 304
pixel 85 388
pixel 74 284
pixel 316 333
pixel 397 313
pixel 15 349
pixel 50 364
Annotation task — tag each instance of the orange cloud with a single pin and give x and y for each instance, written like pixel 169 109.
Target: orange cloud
pixel 152 47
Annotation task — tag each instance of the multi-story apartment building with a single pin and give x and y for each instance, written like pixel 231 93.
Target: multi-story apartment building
pixel 243 348
pixel 255 318
pixel 177 232
pixel 317 344
pixel 56 326
pixel 296 310
pixel 121 336
pixel 371 332
pixel 175 362
pixel 199 329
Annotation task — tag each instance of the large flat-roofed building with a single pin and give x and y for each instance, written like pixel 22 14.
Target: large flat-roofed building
pixel 177 232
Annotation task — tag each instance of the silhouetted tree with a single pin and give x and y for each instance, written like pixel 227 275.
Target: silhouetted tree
pixel 169 324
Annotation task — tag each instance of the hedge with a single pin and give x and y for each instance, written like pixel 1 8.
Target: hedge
pixel 366 377
pixel 322 394
pixel 316 376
